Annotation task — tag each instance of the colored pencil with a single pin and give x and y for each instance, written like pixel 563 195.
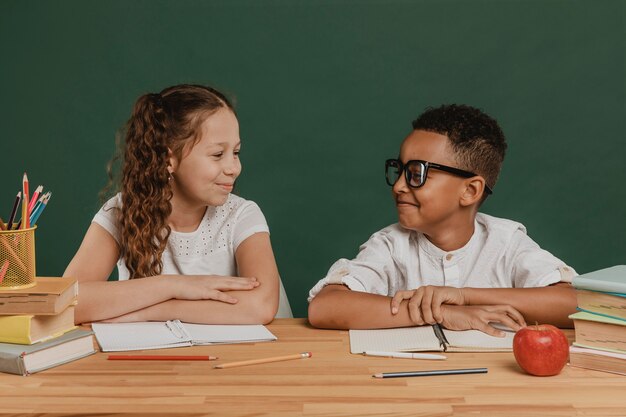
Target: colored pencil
pixel 3 270
pixel 35 216
pixel 265 360
pixel 161 358
pixel 41 198
pixel 2 225
pixel 25 196
pixel 8 248
pixel 18 198
pixel 431 373
pixel 33 199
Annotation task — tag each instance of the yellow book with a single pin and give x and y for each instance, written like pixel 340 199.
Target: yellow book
pixel 29 329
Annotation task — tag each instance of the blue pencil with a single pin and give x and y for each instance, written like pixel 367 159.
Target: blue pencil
pixel 37 212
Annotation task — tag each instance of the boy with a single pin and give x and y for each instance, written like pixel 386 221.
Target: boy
pixel 444 262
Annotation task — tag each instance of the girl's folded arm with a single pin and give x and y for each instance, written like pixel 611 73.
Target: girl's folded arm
pixel 99 299
pixel 258 306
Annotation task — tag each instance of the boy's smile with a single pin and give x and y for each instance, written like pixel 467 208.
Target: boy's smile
pixel 435 208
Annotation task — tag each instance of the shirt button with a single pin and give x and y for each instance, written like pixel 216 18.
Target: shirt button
pixel 448 257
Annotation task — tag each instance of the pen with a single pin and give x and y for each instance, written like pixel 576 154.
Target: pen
pixel 265 360
pixel 405 355
pixel 161 358
pixel 431 373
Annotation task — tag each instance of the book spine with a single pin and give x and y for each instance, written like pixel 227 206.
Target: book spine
pixel 16 329
pixel 12 364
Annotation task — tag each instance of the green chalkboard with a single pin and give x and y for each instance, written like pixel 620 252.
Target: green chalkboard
pixel 325 92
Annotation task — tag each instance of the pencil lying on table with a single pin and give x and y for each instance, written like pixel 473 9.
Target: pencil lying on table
pixel 161 358
pixel 265 360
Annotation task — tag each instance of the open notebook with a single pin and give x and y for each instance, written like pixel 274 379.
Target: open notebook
pixel 158 335
pixel 428 338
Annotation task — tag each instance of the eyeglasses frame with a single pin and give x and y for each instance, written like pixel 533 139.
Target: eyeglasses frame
pixel 427 165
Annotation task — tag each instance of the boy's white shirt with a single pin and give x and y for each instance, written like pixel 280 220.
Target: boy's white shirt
pixel 210 249
pixel 499 255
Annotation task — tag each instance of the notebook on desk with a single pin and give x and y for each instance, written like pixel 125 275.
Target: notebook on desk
pixel 428 338
pixel 114 337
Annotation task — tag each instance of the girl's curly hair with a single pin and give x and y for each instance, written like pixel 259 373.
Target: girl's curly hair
pixel 160 123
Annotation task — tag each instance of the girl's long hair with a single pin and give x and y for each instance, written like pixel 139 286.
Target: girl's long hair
pixel 160 123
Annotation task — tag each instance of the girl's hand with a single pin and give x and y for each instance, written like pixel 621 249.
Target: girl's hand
pixel 211 287
pixel 479 317
pixel 425 302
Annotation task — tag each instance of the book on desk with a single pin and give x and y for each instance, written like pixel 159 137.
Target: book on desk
pixel 114 337
pixel 28 359
pixel 600 325
pixel 428 338
pixel 28 329
pixel 37 328
pixel 49 296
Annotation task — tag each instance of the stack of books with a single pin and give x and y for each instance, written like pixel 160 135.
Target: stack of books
pixel 37 328
pixel 600 322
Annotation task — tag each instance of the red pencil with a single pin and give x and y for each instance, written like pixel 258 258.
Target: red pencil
pixel 33 199
pixel 3 270
pixel 160 358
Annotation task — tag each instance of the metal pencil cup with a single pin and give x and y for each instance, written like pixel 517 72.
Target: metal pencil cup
pixel 17 259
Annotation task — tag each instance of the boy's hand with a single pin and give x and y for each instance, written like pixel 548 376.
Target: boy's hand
pixel 425 302
pixel 479 317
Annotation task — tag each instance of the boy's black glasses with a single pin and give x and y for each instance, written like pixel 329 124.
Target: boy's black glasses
pixel 416 172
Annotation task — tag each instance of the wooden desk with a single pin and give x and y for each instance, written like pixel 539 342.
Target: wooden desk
pixel 331 383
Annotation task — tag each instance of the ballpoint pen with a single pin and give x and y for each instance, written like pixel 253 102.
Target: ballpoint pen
pixel 405 355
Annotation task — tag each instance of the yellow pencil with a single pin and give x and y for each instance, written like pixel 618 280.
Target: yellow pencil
pixel 265 360
pixel 25 196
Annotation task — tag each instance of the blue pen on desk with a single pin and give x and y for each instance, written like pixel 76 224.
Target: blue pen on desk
pixel 431 373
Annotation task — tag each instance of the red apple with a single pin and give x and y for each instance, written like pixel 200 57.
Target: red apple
pixel 541 350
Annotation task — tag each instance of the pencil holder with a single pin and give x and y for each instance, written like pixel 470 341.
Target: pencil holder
pixel 17 259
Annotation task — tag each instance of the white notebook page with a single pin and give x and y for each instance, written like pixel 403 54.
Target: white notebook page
pixel 136 336
pixel 477 340
pixel 202 334
pixel 159 335
pixel 394 340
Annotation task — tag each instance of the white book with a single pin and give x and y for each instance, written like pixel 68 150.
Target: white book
pixel 113 337
pixel 428 338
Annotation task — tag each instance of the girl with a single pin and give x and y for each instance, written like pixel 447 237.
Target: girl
pixel 185 247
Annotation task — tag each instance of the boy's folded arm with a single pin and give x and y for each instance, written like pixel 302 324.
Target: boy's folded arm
pixel 545 305
pixel 338 307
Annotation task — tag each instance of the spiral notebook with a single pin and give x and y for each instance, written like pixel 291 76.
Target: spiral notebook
pixel 114 337
pixel 428 338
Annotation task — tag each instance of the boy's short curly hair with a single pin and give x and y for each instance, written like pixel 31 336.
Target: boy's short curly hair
pixel 476 138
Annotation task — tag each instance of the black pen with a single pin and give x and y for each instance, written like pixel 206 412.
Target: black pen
pixel 431 373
